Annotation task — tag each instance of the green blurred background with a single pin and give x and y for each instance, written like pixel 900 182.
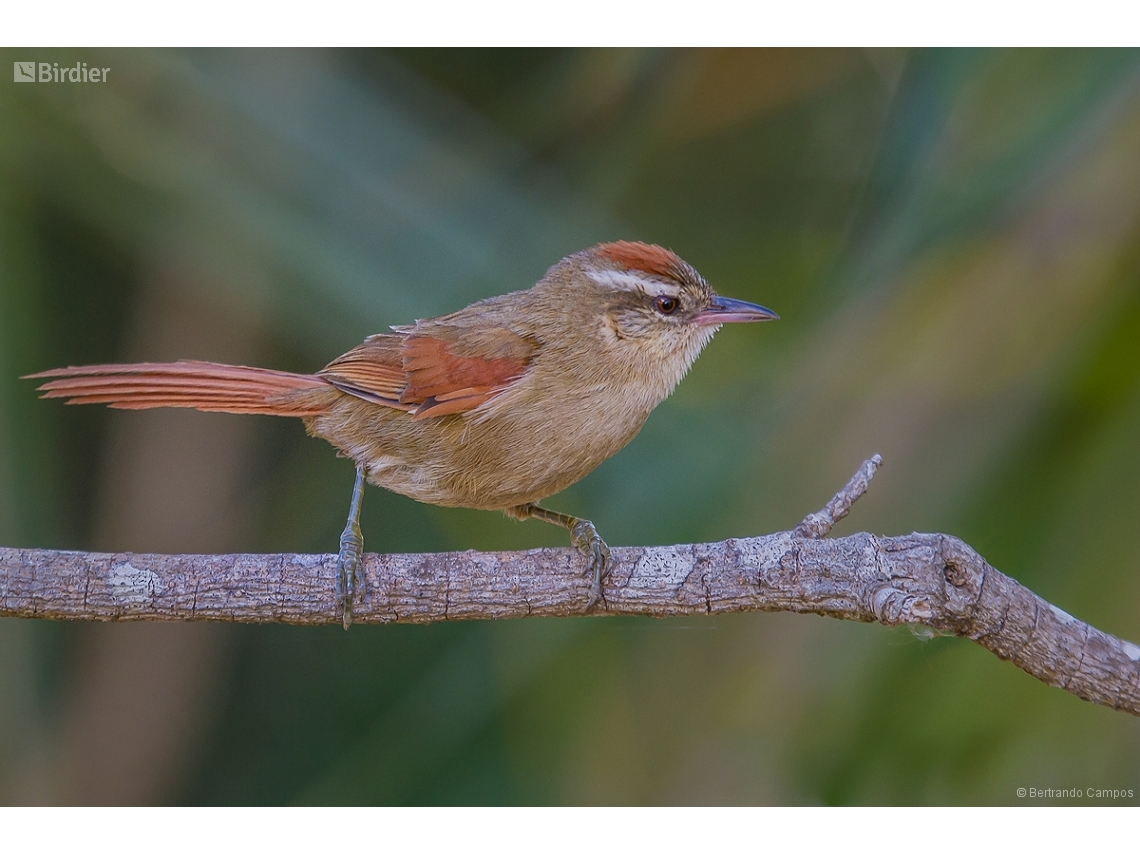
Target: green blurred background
pixel 952 238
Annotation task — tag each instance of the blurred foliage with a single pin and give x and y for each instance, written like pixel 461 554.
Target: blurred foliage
pixel 951 237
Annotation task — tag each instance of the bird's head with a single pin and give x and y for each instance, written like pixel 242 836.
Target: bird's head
pixel 650 310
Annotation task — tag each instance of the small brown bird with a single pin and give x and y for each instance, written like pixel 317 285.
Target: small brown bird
pixel 496 406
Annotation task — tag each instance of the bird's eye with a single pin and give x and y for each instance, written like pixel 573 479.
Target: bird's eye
pixel 667 305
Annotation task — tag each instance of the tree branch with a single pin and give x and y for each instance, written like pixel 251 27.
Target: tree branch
pixel 932 580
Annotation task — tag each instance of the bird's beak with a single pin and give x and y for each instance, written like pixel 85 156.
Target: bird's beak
pixel 725 310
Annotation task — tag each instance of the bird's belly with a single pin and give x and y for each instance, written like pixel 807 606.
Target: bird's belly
pixel 490 461
pixel 510 459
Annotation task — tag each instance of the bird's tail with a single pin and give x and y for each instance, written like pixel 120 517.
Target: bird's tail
pixel 207 386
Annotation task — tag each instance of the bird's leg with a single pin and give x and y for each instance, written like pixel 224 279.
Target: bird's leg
pixel 585 539
pixel 350 573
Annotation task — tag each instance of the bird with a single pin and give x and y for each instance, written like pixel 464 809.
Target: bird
pixel 496 406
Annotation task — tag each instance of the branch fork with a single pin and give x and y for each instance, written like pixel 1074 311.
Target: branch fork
pixel 819 524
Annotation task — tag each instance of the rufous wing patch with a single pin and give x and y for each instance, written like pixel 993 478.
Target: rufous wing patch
pixel 440 382
pixel 647 257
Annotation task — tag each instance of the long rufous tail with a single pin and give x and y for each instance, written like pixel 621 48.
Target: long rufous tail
pixel 207 386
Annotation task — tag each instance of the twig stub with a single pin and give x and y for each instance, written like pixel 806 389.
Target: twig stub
pixel 820 523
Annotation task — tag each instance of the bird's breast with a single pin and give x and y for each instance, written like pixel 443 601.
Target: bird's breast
pixel 540 444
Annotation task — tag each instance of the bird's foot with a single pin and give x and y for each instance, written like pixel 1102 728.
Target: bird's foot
pixel 587 541
pixel 350 571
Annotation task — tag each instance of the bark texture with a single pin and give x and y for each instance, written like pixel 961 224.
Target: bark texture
pixel 933 580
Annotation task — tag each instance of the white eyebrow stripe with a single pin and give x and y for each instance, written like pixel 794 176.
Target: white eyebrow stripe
pixel 633 282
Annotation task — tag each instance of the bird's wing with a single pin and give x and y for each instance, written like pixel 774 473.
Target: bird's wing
pixel 374 371
pixel 433 369
pixel 455 368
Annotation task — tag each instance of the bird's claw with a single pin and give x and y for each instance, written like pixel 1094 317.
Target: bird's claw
pixel 587 541
pixel 349 572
